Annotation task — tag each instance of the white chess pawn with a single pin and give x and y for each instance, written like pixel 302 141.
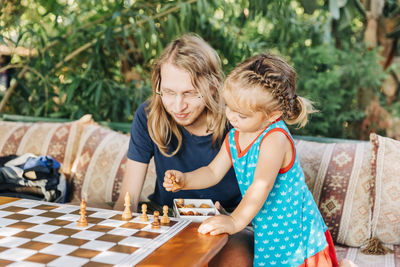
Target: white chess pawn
pixel 143 217
pixel 82 222
pixel 127 214
pixel 156 223
pixel 165 219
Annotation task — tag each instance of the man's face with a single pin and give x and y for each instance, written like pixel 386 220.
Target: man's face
pixel 181 100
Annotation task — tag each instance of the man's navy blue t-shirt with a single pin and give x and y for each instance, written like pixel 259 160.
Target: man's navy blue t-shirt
pixel 196 152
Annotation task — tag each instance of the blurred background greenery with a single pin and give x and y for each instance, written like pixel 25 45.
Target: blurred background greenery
pixel 68 58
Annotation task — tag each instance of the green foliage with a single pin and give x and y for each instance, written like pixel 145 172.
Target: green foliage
pixel 95 56
pixel 332 78
pixel 339 80
pixel 87 52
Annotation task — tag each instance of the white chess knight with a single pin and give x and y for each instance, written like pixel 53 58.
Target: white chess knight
pixel 127 214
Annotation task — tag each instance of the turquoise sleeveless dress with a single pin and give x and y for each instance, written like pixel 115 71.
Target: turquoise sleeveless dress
pixel 289 227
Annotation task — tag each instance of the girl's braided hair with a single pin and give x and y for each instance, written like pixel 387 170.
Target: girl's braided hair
pixel 276 77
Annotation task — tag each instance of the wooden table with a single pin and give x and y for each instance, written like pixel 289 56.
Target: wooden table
pixel 187 248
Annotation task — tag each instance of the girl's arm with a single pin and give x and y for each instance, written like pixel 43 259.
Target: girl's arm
pixel 203 177
pixel 272 157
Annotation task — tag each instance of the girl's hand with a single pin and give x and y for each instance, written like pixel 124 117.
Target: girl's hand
pixel 218 224
pixel 173 180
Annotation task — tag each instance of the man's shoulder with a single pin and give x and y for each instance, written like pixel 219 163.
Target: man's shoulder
pixel 143 107
pixel 141 111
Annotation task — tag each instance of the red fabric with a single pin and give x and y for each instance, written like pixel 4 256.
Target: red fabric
pixel 239 150
pixel 332 252
pixel 324 258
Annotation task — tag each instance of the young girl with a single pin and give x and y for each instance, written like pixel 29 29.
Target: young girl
pixel 289 229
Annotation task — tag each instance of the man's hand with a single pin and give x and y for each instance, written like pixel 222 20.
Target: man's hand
pixel 218 225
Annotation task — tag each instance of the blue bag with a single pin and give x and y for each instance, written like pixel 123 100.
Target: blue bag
pixel 41 164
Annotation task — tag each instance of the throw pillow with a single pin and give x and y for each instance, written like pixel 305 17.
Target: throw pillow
pixel 339 177
pixel 99 166
pixel 386 212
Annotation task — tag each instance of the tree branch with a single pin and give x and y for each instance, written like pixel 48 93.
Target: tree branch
pixel 139 23
pixel 11 66
pixel 81 49
pixel 10 89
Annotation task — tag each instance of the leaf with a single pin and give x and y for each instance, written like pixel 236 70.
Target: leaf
pixel 2 39
pixel 116 14
pixel 108 38
pixel 71 89
pixel 39 110
pixel 98 93
pixel 309 5
pixel 90 89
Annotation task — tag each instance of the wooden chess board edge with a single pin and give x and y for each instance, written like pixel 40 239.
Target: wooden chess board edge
pixel 181 243
pixel 154 244
pixel 5 200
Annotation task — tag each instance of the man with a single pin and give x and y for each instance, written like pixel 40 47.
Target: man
pixel 183 126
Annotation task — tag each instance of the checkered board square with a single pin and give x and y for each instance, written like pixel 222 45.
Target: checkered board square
pixel 36 233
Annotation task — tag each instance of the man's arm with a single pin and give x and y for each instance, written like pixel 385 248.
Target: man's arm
pixel 132 182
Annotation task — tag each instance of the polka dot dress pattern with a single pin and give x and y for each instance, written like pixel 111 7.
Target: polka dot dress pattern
pixel 289 227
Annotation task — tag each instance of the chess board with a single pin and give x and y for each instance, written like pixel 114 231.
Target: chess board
pixel 36 233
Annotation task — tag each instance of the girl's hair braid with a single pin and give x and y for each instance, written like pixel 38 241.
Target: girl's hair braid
pixel 278 78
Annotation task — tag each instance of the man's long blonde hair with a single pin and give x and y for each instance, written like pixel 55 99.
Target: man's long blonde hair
pixel 192 54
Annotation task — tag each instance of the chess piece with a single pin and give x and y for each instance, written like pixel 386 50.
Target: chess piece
pixel 156 223
pixel 82 220
pixel 180 203
pixel 165 219
pixel 143 217
pixel 127 214
pixel 175 186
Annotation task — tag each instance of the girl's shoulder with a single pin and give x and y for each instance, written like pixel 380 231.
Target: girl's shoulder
pixel 277 135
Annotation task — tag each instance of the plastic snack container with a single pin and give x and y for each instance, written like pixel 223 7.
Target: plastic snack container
pixel 195 213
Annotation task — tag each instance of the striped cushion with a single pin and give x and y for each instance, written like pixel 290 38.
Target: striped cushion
pixel 339 177
pixel 60 140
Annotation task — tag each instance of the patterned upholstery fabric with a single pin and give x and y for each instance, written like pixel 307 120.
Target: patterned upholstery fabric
pixel 60 140
pixel 339 177
pixel 386 208
pixel 99 167
pixel 363 260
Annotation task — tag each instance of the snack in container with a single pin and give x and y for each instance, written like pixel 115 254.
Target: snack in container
pixel 196 210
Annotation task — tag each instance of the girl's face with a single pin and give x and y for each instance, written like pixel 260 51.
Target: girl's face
pixel 180 99
pixel 243 119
